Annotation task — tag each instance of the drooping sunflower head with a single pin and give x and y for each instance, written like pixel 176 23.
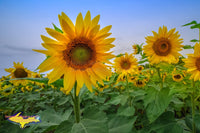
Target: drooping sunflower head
pixel 177 77
pixel 193 63
pixel 125 65
pixel 78 53
pixel 163 46
pixel 18 71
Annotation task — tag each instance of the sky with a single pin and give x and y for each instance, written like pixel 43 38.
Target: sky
pixel 23 21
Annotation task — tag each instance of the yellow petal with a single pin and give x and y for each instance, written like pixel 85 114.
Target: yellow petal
pixel 48 64
pixel 57 35
pixel 101 37
pixel 79 27
pixel 66 28
pixel 69 79
pixel 54 46
pixel 68 20
pixel 80 81
pixel 57 72
pixel 87 21
pixel 9 70
pixel 105 30
pixel 95 21
pixel 48 40
pixel 197 49
pixel 101 70
pixel 87 81
pixel 107 41
pixel 47 52
pixel 93 32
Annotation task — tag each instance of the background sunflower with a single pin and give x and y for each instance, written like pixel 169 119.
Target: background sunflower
pixel 163 46
pixel 193 63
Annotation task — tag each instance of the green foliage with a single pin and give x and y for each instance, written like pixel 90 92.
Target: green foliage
pixel 57 29
pixel 188 47
pixel 156 102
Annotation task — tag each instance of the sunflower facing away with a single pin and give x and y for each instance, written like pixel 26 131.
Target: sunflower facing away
pixel 125 65
pixel 163 46
pixel 193 63
pixel 79 53
pixel 18 72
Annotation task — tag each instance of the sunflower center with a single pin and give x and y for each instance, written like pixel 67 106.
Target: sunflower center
pixel 139 82
pixel 162 47
pixel 20 73
pixel 80 54
pixel 125 65
pixel 177 76
pixel 198 63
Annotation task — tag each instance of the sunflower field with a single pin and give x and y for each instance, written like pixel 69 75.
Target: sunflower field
pixel 91 90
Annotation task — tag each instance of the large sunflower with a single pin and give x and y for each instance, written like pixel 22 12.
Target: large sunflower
pixel 193 63
pixel 18 72
pixel 163 46
pixel 125 65
pixel 78 53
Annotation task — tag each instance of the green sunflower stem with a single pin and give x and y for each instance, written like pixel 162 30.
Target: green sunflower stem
pixel 159 75
pixel 127 88
pixel 193 107
pixel 76 104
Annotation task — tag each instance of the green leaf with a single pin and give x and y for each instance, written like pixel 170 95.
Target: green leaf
pixel 121 124
pixel 126 111
pixel 157 104
pixel 197 121
pixel 50 117
pixel 194 40
pixel 195 26
pixel 64 127
pixel 166 124
pixel 188 47
pixel 142 61
pixel 114 101
pixel 193 22
pixel 57 29
pixel 119 55
pixel 94 121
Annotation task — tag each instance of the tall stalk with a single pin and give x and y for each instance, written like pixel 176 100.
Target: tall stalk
pixel 76 102
pixel 159 75
pixel 193 107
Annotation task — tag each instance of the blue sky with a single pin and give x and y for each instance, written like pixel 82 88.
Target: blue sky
pixel 22 22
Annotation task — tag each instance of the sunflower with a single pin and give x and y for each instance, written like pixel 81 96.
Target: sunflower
pixel 193 63
pixel 132 78
pixel 163 46
pixel 139 83
pixel 79 52
pixel 18 72
pixel 177 77
pixel 36 75
pixel 125 65
pixel 140 68
pixel 7 90
pixel 135 49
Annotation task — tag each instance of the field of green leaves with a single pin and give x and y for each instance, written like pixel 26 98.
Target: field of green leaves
pixel 154 98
